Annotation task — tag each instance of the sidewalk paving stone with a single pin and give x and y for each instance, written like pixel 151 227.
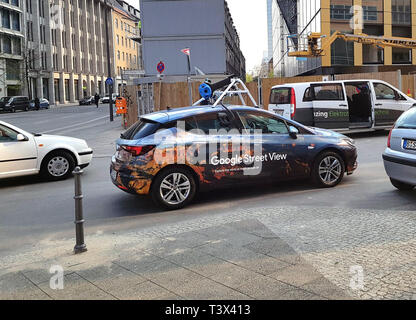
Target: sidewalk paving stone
pixel 209 290
pixel 76 288
pixel 17 286
pixel 297 275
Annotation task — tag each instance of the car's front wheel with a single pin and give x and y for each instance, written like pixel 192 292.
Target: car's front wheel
pixel 57 166
pixel 174 188
pixel 401 185
pixel 329 170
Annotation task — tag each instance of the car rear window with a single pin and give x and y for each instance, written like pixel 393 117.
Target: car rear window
pixel 140 129
pixel 280 96
pixel 407 120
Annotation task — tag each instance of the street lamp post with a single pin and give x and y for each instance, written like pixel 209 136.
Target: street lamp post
pixel 110 86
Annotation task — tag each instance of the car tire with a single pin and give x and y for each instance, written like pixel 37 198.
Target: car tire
pixel 13 110
pixel 328 170
pixel 57 165
pixel 26 109
pixel 401 185
pixel 165 191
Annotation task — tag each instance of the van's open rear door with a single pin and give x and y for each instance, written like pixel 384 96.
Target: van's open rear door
pixel 330 106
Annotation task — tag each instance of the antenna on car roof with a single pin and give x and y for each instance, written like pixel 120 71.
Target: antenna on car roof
pixel 233 86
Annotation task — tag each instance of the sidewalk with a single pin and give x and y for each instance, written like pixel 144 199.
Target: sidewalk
pixel 203 259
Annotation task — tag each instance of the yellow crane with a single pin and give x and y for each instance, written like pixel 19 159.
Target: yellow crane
pixel 316 49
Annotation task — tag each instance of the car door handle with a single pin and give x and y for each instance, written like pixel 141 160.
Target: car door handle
pixel 378 104
pixel 343 105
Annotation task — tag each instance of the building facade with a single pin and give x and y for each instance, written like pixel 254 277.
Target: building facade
pixel 389 18
pixel 204 26
pixel 68 41
pixel 126 40
pixel 57 49
pixel 11 41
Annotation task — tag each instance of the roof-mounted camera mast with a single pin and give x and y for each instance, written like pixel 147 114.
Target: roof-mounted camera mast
pixel 234 86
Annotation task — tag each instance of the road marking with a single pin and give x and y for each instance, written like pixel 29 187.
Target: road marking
pixel 76 125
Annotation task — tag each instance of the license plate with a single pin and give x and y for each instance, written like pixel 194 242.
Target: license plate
pixel 113 174
pixel 279 112
pixel 409 144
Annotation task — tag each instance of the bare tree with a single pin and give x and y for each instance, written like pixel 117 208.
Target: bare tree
pixel 25 66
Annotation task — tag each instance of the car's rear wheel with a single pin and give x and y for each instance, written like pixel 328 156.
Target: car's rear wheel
pixel 401 185
pixel 329 169
pixel 174 188
pixel 58 166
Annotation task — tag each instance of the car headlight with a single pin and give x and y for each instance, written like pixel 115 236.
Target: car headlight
pixel 347 142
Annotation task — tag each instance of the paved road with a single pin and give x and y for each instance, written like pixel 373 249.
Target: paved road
pixel 32 210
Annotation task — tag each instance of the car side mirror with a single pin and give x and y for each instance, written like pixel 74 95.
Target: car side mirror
pixel 21 137
pixel 293 132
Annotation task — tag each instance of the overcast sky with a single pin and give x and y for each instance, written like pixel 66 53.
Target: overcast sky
pixel 250 19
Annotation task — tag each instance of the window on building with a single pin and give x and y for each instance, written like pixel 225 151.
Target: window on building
pixel 29 6
pixel 7 45
pixel 15 17
pixel 56 89
pixel 17 47
pixel 12 70
pixel 5 19
pixel 66 84
pixel 41 8
pixel 401 12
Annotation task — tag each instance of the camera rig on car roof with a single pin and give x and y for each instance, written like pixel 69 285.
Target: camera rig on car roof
pixel 212 93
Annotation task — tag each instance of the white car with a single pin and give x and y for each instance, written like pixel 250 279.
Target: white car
pixel 345 105
pixel 54 157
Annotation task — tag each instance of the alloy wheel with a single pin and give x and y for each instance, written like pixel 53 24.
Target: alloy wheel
pixel 175 188
pixel 330 170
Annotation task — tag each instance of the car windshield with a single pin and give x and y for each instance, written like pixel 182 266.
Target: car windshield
pixel 407 120
pixel 5 99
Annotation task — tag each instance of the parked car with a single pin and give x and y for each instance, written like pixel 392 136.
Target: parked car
pixel 400 154
pixel 87 101
pixel 12 104
pixel 156 157
pixel 44 104
pixel 106 99
pixel 54 157
pixel 341 105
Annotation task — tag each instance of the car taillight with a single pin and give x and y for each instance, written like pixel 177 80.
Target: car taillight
pixel 292 103
pixel 137 150
pixel 389 138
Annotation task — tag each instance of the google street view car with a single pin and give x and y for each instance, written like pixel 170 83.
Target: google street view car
pixel 173 154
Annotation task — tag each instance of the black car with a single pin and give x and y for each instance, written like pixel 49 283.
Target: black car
pixel 11 104
pixel 171 155
pixel 87 101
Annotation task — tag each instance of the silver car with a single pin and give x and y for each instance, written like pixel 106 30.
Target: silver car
pixel 400 155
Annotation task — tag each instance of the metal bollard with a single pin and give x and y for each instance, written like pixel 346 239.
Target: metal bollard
pixel 79 215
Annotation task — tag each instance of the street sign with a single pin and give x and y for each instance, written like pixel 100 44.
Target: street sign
pixel 133 73
pixel 109 82
pixel 160 67
pixel 186 51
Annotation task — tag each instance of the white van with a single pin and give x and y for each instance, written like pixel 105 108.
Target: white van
pixel 353 105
